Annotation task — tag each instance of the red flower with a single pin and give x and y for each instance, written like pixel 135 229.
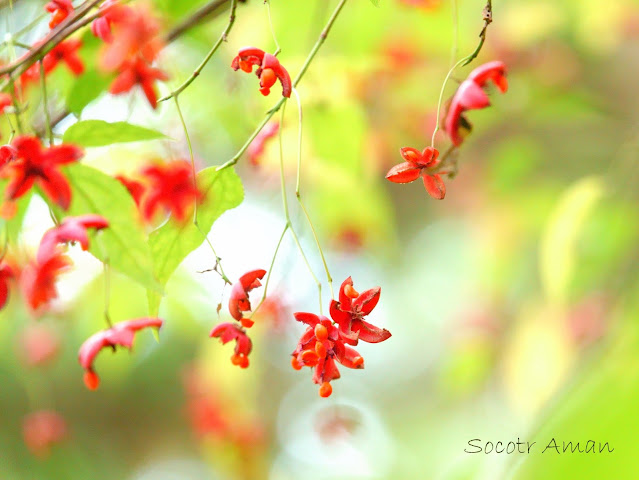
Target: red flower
pixel 5 101
pixel 171 188
pixel 60 10
pixel 243 345
pixel 135 35
pixel 256 148
pixel 350 311
pixel 35 164
pixel 319 347
pixel 471 96
pixel 42 429
pixel 135 188
pixel 239 301
pixel 72 229
pixel 6 274
pixel 110 12
pixel 38 279
pixel 419 164
pixel 269 69
pixel 121 333
pixel 138 72
pixel 66 52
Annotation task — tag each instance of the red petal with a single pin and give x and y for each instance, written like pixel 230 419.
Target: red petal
pixel 471 96
pixel 410 154
pixel 367 300
pixel 56 187
pixel 19 185
pixel 452 122
pixel 344 300
pixel 403 173
pixel 248 280
pixel 370 333
pixel 308 318
pixel 435 186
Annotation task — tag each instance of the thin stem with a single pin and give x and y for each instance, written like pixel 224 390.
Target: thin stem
pixel 62 31
pixel 299 76
pixel 455 48
pixel 218 261
pixel 298 194
pixel 286 211
pixel 47 119
pixel 16 107
pixel 107 293
pixel 208 56
pixel 270 22
pixel 441 98
pixel 270 270
pixel 488 18
pixel 193 20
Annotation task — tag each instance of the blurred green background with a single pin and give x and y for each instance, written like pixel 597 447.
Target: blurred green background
pixel 513 303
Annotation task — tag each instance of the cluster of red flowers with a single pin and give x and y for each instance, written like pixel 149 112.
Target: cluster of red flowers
pixel 167 187
pixel 37 278
pixel 325 341
pixel 238 304
pixel 132 44
pixel 469 96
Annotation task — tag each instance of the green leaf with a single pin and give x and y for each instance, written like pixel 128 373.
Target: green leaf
pixel 86 89
pixel 172 242
pixel 88 86
pixel 98 133
pixel 375 2
pixel 123 245
pixel 13 225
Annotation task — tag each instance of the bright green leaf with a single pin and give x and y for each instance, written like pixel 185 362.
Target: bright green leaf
pixel 123 245
pixel 98 133
pixel 172 242
pixel 375 2
pixel 86 89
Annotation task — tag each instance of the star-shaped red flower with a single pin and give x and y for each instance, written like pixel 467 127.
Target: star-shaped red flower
pixel 418 164
pixel 34 163
pixel 350 311
pixel 170 187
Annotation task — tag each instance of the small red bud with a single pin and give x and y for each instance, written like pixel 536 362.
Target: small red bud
pixel 295 364
pixel 325 390
pixel 91 380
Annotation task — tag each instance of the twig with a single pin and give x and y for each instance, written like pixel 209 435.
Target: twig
pixel 208 56
pixel 62 31
pixel 488 19
pixel 299 76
